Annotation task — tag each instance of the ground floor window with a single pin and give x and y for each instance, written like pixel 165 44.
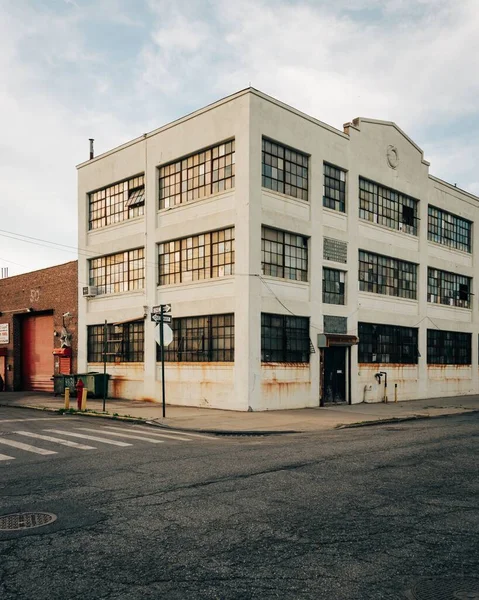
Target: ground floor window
pixel 124 342
pixel 387 344
pixel 207 338
pixel 448 347
pixel 284 338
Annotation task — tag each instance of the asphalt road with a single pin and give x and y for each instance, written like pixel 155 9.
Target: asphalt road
pixel 388 512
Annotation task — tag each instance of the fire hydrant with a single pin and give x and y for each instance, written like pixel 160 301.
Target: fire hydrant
pixel 79 387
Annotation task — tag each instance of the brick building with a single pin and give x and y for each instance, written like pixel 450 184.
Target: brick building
pixel 38 327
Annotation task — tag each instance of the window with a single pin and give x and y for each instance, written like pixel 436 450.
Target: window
pixel 198 257
pixel 122 272
pixel 124 343
pixel 202 339
pixel 198 176
pixel 448 229
pixel 333 286
pixel 284 170
pixel 387 344
pixel 284 254
pixel 334 188
pixel 384 206
pixel 284 338
pixel 448 288
pixel 385 275
pixel 118 202
pixel 448 347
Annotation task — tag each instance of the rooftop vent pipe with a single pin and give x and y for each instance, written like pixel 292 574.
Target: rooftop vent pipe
pixel 91 148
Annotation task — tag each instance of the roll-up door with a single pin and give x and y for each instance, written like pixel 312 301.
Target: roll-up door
pixel 37 353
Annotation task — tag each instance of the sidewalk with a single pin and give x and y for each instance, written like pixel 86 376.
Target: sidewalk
pixel 278 421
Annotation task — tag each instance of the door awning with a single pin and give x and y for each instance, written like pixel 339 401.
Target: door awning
pixel 326 340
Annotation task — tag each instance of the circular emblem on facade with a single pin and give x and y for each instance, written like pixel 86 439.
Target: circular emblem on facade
pixel 392 156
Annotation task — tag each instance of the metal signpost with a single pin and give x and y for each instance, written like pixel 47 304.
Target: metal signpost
pixel 161 315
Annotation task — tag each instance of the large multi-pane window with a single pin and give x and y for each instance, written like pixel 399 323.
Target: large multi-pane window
pixel 333 286
pixel 122 272
pixel 448 229
pixel 382 205
pixel 284 170
pixel 202 339
pixel 198 176
pixel 387 344
pixel 284 338
pixel 334 188
pixel 386 275
pixel 284 254
pixel 448 347
pixel 124 342
pixel 444 287
pixel 118 202
pixel 197 257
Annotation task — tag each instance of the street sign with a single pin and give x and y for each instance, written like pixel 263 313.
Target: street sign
pixel 157 309
pixel 167 335
pixel 156 317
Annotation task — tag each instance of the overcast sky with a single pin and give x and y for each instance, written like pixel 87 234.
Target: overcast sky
pixel 114 69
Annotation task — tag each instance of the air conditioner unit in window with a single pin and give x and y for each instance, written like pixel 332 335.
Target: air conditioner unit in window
pixel 401 226
pixel 89 291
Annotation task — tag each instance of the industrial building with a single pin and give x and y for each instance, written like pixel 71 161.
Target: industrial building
pixel 304 264
pixel 38 327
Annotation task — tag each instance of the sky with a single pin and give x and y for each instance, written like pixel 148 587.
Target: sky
pixel 115 69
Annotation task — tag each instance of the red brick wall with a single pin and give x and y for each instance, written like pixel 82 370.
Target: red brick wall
pixel 54 291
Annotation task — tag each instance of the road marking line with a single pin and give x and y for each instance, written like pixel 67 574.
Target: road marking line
pixel 198 435
pixel 25 447
pixel 171 437
pixel 88 437
pixel 21 420
pixel 5 457
pixel 56 440
pixel 125 435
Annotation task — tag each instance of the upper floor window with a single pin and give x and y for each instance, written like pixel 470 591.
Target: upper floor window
pixel 284 170
pixel 198 176
pixel 284 254
pixel 448 347
pixel 284 338
pixel 333 286
pixel 387 344
pixel 386 275
pixel 118 202
pixel 125 342
pixel 448 229
pixel 202 339
pixel 121 272
pixel 334 188
pixel 384 206
pixel 448 288
pixel 197 257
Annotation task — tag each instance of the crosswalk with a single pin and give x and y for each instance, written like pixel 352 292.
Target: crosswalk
pixel 85 437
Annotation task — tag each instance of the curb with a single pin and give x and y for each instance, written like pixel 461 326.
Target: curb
pixel 225 432
pixel 403 419
pixel 75 414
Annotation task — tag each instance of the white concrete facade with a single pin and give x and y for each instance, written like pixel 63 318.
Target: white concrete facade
pixel 247 383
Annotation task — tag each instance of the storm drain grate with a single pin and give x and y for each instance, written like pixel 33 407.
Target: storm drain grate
pixel 28 520
pixel 445 589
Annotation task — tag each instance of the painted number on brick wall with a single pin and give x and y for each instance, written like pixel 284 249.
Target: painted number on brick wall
pixel 34 295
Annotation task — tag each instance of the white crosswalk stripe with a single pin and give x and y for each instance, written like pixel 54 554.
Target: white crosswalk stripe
pixel 198 435
pixel 125 435
pixel 48 438
pixel 26 447
pixel 89 437
pixel 5 457
pixel 162 435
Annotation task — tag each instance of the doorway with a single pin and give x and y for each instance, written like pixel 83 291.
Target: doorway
pixel 334 382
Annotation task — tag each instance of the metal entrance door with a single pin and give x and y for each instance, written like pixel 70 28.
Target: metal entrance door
pixel 334 389
pixel 37 353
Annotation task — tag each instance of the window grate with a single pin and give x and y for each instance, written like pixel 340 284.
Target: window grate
pixel 284 170
pixel 284 254
pixel 387 344
pixel 335 250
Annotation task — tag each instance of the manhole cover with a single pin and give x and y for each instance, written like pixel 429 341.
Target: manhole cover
pixel 445 589
pixel 27 520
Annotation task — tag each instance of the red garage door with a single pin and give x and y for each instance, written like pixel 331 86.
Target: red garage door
pixel 37 357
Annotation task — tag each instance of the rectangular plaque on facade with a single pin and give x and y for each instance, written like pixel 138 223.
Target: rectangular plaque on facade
pixel 334 324
pixel 4 333
pixel 335 250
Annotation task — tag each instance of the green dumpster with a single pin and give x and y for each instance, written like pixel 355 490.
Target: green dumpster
pixel 94 383
pixel 61 382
